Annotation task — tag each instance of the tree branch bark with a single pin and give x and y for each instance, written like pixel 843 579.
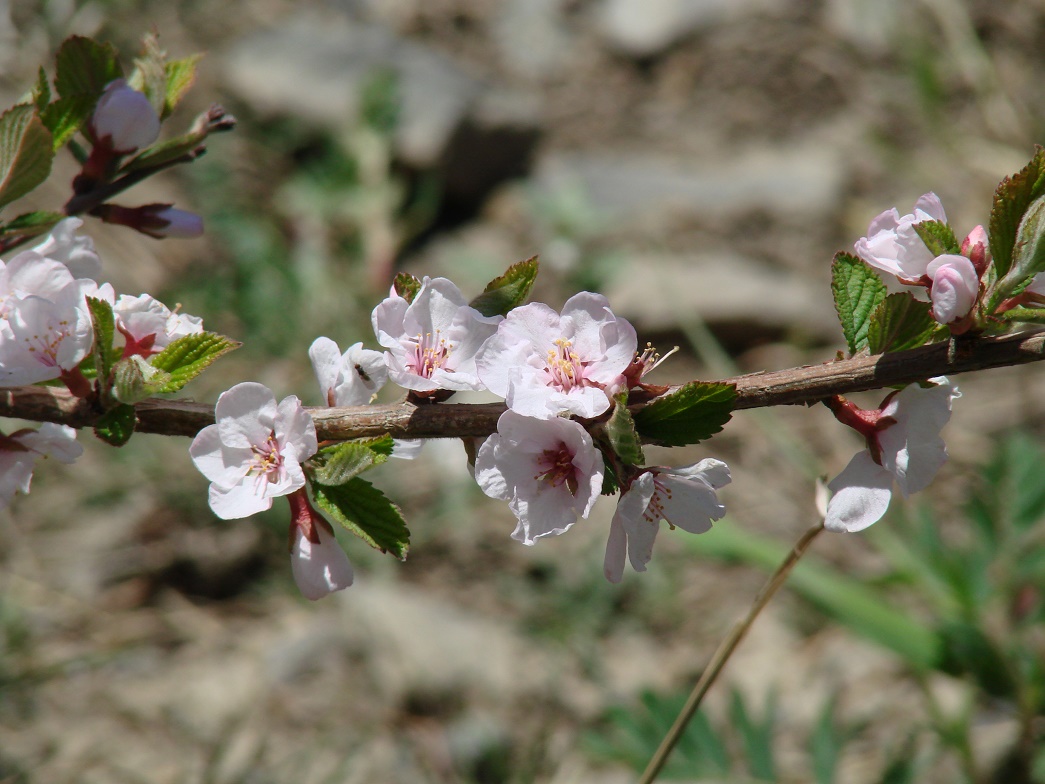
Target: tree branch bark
pixel 795 386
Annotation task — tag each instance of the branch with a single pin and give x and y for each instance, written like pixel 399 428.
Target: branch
pixel 795 386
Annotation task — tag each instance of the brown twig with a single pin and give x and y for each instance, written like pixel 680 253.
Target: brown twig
pixel 795 386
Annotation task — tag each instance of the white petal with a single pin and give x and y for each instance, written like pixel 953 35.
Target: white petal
pixel 860 495
pixel 294 425
pixel 616 551
pixel 245 414
pixel 319 569
pixel 236 502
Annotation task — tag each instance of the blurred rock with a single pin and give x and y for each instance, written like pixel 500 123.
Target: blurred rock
pixel 871 25
pixel 643 28
pixel 531 37
pixel 799 181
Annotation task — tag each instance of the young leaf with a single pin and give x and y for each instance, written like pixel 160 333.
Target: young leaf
pixel 900 322
pixel 189 356
pixel 365 511
pixel 134 379
pixel 621 431
pixel 41 90
pixel 857 291
pixel 104 323
pixel 610 482
pixel 85 66
pixel 938 237
pixel 180 77
pixel 165 152
pixel 509 290
pixel 337 464
pixel 116 426
pixel 406 286
pixel 66 116
pixel 150 73
pixel 26 152
pixel 1011 199
pixel 688 415
pixel 1028 257
pixel 30 224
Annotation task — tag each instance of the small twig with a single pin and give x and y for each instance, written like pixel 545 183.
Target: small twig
pixel 723 653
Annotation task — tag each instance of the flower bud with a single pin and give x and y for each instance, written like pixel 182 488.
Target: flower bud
pixel 955 287
pixel 975 247
pixel 124 119
pixel 156 220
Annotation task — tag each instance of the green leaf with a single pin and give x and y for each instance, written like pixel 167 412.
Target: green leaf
pixel 1011 199
pixel 26 152
pixel 41 91
pixel 365 511
pixel 509 290
pixel 688 415
pixel 406 286
pixel 337 464
pixel 938 237
pixel 165 152
pixel 83 66
pixel 189 356
pixel 900 322
pixel 181 74
pixel 105 355
pixel 620 428
pixel 756 735
pixel 150 73
pixel 967 650
pixel 30 224
pixel 67 115
pixel 857 291
pixel 610 482
pixel 116 426
pixel 134 380
pixel 1028 258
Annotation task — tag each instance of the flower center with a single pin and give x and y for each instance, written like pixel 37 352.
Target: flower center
pixel 565 369
pixel 267 462
pixel 556 468
pixel 430 352
pixel 655 510
pixel 44 347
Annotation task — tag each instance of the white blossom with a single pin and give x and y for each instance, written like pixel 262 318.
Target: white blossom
pixel 75 251
pixel 349 379
pixel 125 118
pixel 892 244
pixel 20 451
pixel 955 287
pixel 318 563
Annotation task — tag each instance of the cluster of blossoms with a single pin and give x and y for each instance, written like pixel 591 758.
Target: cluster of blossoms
pixel 46 332
pixel 548 467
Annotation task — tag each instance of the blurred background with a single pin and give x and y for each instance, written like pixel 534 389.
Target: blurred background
pixel 699 162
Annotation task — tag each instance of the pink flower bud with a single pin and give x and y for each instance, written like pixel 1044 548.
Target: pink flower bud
pixel 180 223
pixel 124 119
pixel 975 248
pixel 156 220
pixel 955 287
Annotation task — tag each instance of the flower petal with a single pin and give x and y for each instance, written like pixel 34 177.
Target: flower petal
pixel 860 495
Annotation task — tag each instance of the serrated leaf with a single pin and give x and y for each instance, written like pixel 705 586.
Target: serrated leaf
pixel 620 428
pixel 30 224
pixel 509 290
pixel 365 511
pixel 116 426
pixel 26 152
pixel 1028 256
pixel 41 90
pixel 337 464
pixel 67 115
pixel 857 292
pixel 406 286
pixel 190 355
pixel 85 66
pixel 104 323
pixel 938 237
pixel 692 413
pixel 610 482
pixel 900 322
pixel 134 380
pixel 181 75
pixel 1011 199
pixel 150 73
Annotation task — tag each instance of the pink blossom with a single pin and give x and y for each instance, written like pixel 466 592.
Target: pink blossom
pixel 349 379
pixel 20 451
pixel 892 244
pixel 124 119
pixel 549 471
pixel 254 451
pixel 684 497
pixel 955 287
pixel 318 563
pixel 903 446
pixel 545 363
pixel 148 326
pixel 432 341
pixel 44 337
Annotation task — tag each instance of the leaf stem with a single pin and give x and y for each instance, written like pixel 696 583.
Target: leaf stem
pixel 725 651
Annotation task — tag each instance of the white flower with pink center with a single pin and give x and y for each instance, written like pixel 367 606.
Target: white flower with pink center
pixel 75 251
pixel 903 446
pixel 432 340
pixel 684 497
pixel 148 326
pixel 545 363
pixel 318 563
pixel 548 471
pixel 349 379
pixel 20 451
pixel 254 451
pixel 42 338
pixel 892 244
